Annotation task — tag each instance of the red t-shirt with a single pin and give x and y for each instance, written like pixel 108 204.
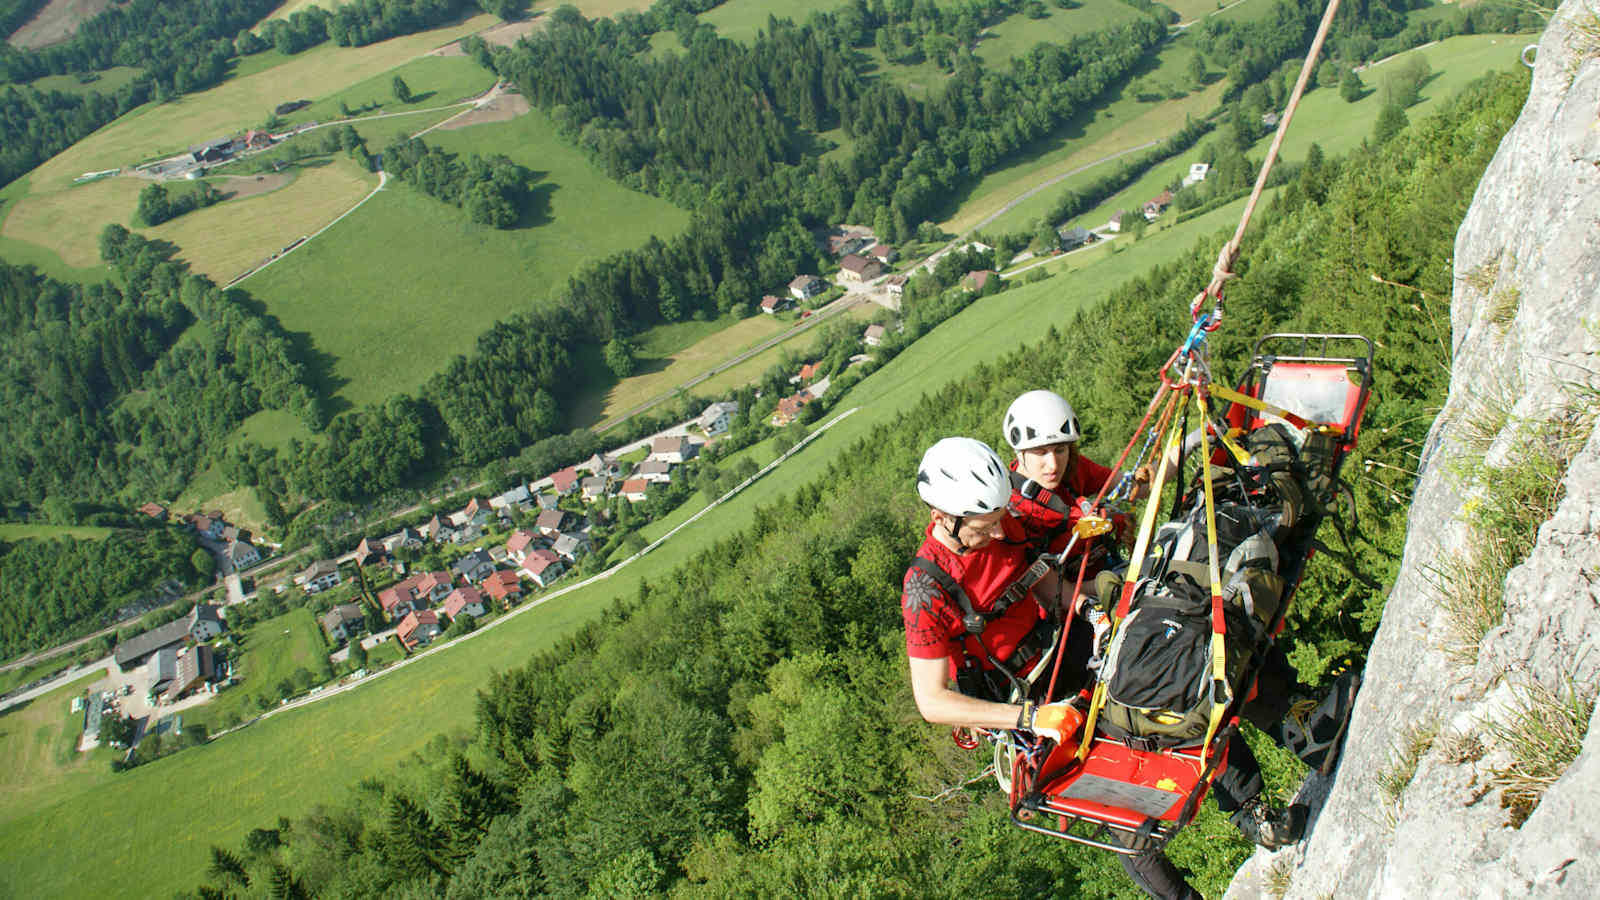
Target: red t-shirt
pixel 1038 519
pixel 933 618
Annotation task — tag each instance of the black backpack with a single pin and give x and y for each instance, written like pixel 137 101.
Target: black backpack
pixel 1158 669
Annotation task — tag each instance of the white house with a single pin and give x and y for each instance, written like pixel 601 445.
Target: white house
pixel 204 622
pixel 594 488
pixel 873 336
pixel 1197 173
pixel 654 471
pixel 319 576
pixel 571 546
pixel 635 490
pixel 343 621
pixel 542 567
pixel 671 449
pixel 718 417
pixel 242 555
pixel 517 496
pixel 464 600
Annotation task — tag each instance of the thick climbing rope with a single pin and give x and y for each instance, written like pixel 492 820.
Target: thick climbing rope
pixel 1223 271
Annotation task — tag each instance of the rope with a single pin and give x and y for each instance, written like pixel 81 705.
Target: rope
pixel 1223 271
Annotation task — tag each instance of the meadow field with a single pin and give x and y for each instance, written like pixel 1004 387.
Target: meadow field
pixel 286 764
pixel 423 281
pixel 109 81
pixel 61 219
pixel 20 531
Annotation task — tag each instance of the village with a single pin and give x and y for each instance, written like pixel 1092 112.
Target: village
pixel 399 593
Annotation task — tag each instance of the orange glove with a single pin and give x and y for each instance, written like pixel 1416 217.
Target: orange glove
pixel 1056 721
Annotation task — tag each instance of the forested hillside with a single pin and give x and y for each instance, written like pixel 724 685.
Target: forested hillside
pixel 744 728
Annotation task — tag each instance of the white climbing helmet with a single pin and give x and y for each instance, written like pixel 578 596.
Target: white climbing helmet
pixel 1038 418
pixel 963 477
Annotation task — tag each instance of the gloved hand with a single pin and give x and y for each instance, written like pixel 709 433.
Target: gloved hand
pixel 1056 721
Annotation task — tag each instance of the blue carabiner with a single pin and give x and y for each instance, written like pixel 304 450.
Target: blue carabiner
pixel 1197 337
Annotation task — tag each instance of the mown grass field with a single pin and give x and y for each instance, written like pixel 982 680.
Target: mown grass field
pixel 1120 126
pixel 271 651
pixel 423 282
pixel 1018 33
pixel 21 531
pixel 752 368
pixel 1325 118
pixel 669 355
pixel 211 490
pixel 38 741
pixel 287 763
pixel 110 81
pixel 226 240
pixel 433 80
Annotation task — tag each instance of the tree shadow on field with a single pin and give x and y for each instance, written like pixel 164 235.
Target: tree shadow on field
pixel 536 209
pixel 419 98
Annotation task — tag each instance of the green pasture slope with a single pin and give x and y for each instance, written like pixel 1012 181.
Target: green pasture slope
pixel 83 842
pixel 1324 118
pixel 1097 138
pixel 405 283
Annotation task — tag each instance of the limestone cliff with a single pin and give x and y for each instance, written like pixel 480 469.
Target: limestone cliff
pixel 1526 327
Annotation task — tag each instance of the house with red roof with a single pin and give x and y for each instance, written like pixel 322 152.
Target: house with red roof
pixel 418 628
pixel 154 511
pixel 399 599
pixel 433 587
pixel 520 544
pixel 464 600
pixel 369 552
pixel 1157 205
pixel 505 587
pixel 771 305
pixel 542 567
pixel 883 253
pixel 789 408
pixel 977 280
pixel 635 490
pixel 565 481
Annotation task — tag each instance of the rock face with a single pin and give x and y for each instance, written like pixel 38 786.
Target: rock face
pixel 1526 327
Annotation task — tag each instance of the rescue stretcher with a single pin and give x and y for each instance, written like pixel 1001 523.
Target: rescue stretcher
pixel 1127 800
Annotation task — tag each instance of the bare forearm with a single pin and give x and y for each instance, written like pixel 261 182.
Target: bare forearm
pixel 947 707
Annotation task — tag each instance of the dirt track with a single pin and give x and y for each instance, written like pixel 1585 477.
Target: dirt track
pixel 503 108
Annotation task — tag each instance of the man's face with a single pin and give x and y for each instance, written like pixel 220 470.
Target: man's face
pixel 977 531
pixel 1047 465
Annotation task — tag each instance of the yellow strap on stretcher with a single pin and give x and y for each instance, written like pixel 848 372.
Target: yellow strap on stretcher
pixel 1141 545
pixel 1219 657
pixel 1259 405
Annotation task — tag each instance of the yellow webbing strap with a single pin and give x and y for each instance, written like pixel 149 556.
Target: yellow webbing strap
pixel 1262 406
pixel 1221 693
pixel 1240 456
pixel 1141 545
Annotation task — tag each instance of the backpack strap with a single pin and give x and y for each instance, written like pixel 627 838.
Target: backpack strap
pixel 1033 490
pixel 974 622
